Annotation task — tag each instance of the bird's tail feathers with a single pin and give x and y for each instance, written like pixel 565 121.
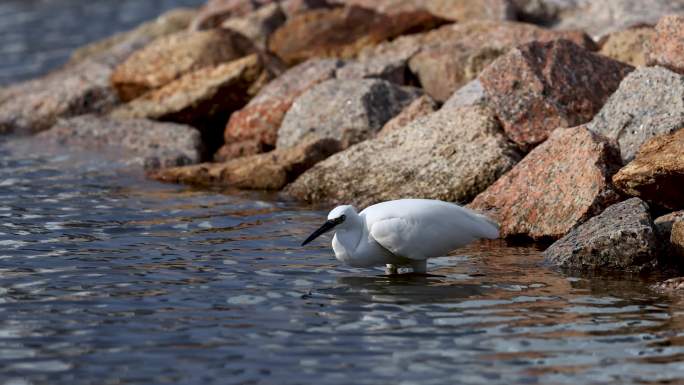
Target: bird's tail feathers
pixel 488 227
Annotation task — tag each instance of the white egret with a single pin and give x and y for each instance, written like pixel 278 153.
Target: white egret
pixel 402 232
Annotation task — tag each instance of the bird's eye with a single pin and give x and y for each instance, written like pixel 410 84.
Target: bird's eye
pixel 341 218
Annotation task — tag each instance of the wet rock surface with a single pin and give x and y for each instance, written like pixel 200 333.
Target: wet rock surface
pixel 649 102
pixel 538 87
pixel 169 58
pixel 629 46
pixel 557 186
pixel 254 129
pixel 142 142
pixel 346 110
pixel 667 45
pixel 450 155
pixel 657 172
pixel 316 33
pixel 620 238
pixel 268 171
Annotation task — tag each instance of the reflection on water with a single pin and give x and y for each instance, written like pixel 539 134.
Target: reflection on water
pixel 107 278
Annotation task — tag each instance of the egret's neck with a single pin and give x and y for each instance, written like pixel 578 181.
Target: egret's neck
pixel 347 237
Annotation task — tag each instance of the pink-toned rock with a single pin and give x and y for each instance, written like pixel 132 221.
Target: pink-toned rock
pixel 558 185
pixel 422 106
pixel 170 57
pixel 343 32
pixel 667 46
pixel 269 171
pixel 657 172
pixel 538 87
pixel 215 12
pixel 254 128
pixel 453 55
pixel 628 46
pixel 455 10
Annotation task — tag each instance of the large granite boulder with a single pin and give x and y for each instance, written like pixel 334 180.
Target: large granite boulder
pixel 204 98
pixel 453 55
pixel 254 128
pixel 540 86
pixel 657 173
pixel 342 32
pixel 557 186
pixel 667 45
pixel 141 142
pixel 170 57
pixel 449 155
pixel 649 102
pixel 620 238
pixel 629 46
pixel 349 111
pixel 268 171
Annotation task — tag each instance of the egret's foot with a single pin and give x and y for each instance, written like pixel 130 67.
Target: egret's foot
pixel 391 269
pixel 419 267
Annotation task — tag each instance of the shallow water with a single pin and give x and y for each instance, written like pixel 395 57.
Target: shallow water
pixel 108 278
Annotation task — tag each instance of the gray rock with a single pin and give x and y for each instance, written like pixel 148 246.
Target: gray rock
pixel 649 102
pixel 472 94
pixel 143 142
pixel 599 18
pixel 346 110
pixel 450 155
pixel 620 238
pixel 391 69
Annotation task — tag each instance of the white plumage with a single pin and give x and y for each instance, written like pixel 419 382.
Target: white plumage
pixel 403 232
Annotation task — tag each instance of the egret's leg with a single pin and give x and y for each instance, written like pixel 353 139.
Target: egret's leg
pixel 391 269
pixel 419 267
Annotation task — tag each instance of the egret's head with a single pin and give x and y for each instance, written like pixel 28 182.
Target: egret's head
pixel 336 218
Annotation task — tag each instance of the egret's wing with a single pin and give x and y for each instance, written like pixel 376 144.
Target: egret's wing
pixel 394 234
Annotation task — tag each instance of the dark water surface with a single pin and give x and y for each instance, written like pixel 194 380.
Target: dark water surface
pixel 107 278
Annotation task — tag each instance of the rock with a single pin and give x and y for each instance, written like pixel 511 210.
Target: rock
pixel 204 98
pixel 449 155
pixel 670 285
pixel 392 69
pixel 628 46
pixel 168 23
pixel 36 105
pixel 453 55
pixel 657 173
pixel 455 10
pixel 472 94
pixel 144 142
pixel 258 25
pixel 667 45
pixel 542 12
pixel 649 102
pixel 168 58
pixel 600 18
pixel 620 238
pixel 254 129
pixel 269 171
pixel 663 224
pixel 349 111
pixel 342 32
pixel 538 87
pixel 215 12
pixel 420 107
pixel 677 238
pixel 557 186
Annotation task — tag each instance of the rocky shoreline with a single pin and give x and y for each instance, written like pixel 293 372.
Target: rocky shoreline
pixel 562 121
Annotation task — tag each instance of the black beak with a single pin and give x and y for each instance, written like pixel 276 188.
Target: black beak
pixel 327 226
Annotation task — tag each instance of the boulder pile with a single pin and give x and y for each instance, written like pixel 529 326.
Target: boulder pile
pixel 562 120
